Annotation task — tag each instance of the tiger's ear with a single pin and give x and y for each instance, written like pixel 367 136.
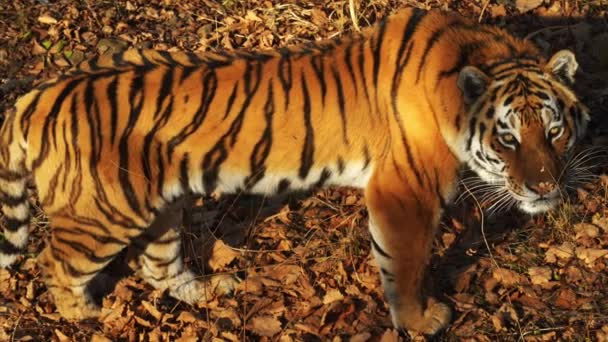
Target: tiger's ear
pixel 473 83
pixel 563 65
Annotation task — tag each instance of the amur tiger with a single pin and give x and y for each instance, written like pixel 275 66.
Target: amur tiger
pixel 396 110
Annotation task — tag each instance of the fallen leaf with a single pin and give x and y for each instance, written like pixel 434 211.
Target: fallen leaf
pixel 47 19
pixel 390 335
pixel 99 338
pixel 507 277
pixel 539 275
pixel 527 5
pixel 586 230
pixel 221 255
pixel 566 299
pixel 267 326
pixel 564 251
pixel 61 336
pixel 590 255
pixel 332 296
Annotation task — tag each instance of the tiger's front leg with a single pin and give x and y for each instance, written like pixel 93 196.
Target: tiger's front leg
pixel 402 225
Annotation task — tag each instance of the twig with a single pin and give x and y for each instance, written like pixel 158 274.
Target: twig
pixel 483 10
pixel 353 15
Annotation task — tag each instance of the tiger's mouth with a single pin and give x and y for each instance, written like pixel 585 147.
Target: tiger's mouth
pixel 537 204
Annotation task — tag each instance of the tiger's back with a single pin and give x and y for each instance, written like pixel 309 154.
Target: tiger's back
pixel 395 110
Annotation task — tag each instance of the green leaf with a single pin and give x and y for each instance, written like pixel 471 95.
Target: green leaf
pixel 68 53
pixel 47 44
pixel 25 35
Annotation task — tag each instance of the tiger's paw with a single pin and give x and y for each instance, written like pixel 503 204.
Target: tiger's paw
pixel 194 289
pixel 73 307
pixel 435 318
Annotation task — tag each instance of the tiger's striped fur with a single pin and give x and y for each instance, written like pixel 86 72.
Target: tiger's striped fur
pixel 396 110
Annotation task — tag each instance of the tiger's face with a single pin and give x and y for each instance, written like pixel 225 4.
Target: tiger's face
pixel 523 123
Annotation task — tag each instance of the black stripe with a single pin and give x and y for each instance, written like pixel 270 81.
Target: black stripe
pixel 13 225
pixel 186 72
pixel 85 251
pixel 8 248
pixel 51 118
pixel 340 165
pixel 160 164
pixel 388 276
pixel 76 183
pixel 378 249
pixel 137 88
pixel 261 150
pixel 317 63
pixel 112 93
pixel 12 201
pixel 361 60
pixel 231 99
pixel 285 74
pixel 146 156
pixel 184 172
pixel 209 88
pixel 367 157
pixel 26 115
pixel 341 104
pixel 325 175
pixel 376 59
pixel 472 124
pixel 283 185
pixel 349 66
pixel 307 158
pixel 213 159
pixel 401 64
pixel 463 60
pixel 166 86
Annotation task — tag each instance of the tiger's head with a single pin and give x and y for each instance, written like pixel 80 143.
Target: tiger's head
pixel 524 120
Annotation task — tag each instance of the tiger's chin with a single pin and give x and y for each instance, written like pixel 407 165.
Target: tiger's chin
pixel 538 206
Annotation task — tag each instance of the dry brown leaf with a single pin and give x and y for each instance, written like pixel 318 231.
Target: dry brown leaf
pixel 566 299
pixel 152 309
pixel 586 230
pixel 590 255
pixel 5 275
pixel 99 338
pixel 527 5
pixel 390 335
pixel 221 255
pixel 332 296
pixel 265 325
pixel 565 251
pixel 186 317
pixel 61 336
pixel 539 275
pixel 507 277
pixel 361 337
pixel 47 19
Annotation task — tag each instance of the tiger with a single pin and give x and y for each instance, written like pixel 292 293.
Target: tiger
pixel 397 110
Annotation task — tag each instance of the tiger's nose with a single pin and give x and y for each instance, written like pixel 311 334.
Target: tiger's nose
pixel 543 189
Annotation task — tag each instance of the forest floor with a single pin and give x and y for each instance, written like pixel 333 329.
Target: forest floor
pixel 304 260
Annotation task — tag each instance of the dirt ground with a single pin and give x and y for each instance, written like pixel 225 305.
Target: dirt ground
pixel 304 260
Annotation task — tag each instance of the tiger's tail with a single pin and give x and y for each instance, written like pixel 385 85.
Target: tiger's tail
pixel 14 202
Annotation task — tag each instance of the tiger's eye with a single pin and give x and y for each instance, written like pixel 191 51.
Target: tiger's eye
pixel 555 131
pixel 508 138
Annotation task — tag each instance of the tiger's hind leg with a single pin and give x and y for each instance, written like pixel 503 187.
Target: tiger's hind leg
pixel 158 256
pixel 75 254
